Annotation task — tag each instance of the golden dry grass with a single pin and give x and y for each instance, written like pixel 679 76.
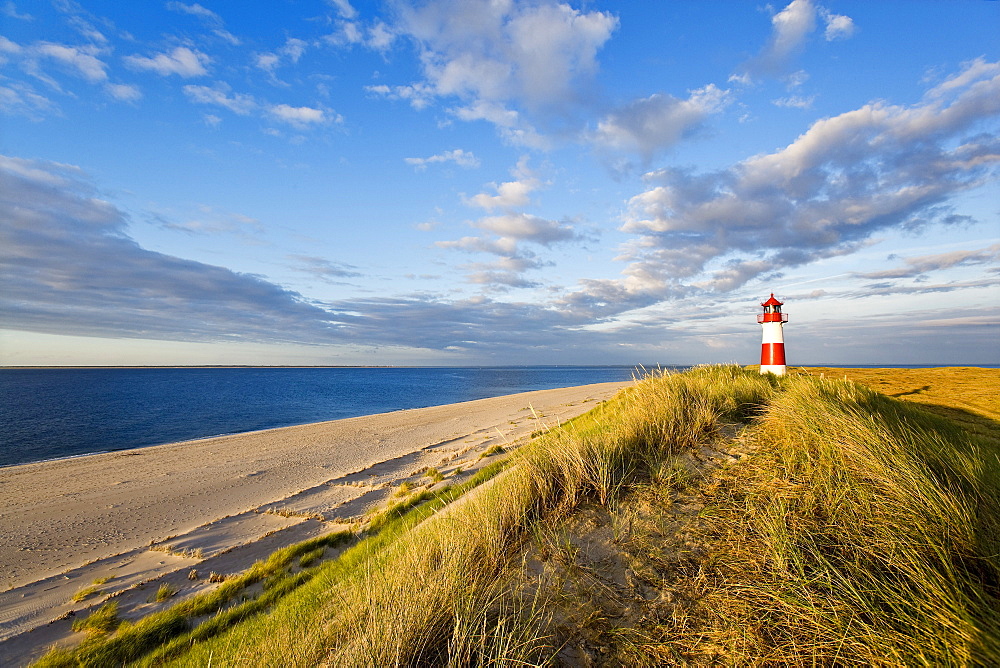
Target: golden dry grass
pixel 969 396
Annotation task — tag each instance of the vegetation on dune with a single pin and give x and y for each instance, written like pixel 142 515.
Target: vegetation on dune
pixel 854 528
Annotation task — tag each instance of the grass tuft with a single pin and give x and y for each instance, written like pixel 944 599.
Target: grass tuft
pixel 164 592
pixel 102 620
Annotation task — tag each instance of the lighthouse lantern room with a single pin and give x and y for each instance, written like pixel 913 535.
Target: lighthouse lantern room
pixel 772 350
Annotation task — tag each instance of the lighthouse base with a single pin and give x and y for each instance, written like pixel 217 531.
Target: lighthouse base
pixel 776 369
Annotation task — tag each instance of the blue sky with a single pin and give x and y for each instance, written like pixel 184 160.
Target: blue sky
pixel 471 182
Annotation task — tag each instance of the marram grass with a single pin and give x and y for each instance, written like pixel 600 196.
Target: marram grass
pixel 860 530
pixel 863 531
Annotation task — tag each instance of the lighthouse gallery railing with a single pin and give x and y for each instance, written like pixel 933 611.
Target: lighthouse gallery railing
pixel 772 317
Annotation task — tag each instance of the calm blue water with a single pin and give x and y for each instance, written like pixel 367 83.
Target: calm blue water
pixel 51 413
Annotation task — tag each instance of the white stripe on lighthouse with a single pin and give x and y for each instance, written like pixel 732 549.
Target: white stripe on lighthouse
pixel 772 332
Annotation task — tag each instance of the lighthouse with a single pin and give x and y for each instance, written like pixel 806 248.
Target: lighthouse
pixel 772 347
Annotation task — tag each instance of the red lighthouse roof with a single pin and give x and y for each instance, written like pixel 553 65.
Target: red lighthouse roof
pixel 772 301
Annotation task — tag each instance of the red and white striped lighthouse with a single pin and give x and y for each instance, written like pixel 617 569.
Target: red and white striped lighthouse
pixel 772 347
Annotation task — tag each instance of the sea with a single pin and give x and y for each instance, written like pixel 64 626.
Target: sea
pixel 53 413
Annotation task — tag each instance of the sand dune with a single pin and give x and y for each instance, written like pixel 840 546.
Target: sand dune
pixel 136 515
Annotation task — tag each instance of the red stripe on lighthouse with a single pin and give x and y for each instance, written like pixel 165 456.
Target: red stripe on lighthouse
pixel 772 354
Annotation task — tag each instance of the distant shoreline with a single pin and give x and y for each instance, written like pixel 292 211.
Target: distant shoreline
pixel 350 366
pixel 930 365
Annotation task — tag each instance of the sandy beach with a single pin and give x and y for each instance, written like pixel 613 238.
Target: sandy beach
pixel 133 518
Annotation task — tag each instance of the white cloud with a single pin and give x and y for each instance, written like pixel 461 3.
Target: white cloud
pixel 501 57
pixel 221 95
pixel 182 61
pixel 510 194
pixel 460 157
pixel 291 52
pixel 302 117
pixel 838 26
pixel 419 95
pixel 344 8
pixel 194 10
pixel 21 100
pixel 124 92
pixel 380 36
pixel 525 227
pixel 82 60
pixel 971 72
pixel 506 234
pixel 791 28
pixel 650 125
pixel 824 194
pixel 848 177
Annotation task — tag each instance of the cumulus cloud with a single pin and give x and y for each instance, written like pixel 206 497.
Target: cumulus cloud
pixel 838 26
pixel 650 125
pixel 458 156
pixel 525 227
pixel 500 58
pixel 509 194
pixel 301 117
pixel 791 28
pixel 507 233
pixel 182 61
pixel 847 177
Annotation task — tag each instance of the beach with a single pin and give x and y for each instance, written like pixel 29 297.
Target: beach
pixel 131 518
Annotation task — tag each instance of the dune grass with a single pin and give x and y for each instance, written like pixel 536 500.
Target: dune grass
pixel 862 530
pixel 858 529
pixel 875 530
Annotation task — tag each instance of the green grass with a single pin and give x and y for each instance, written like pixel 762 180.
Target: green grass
pixel 86 592
pixel 164 592
pixel 102 620
pixel 857 529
